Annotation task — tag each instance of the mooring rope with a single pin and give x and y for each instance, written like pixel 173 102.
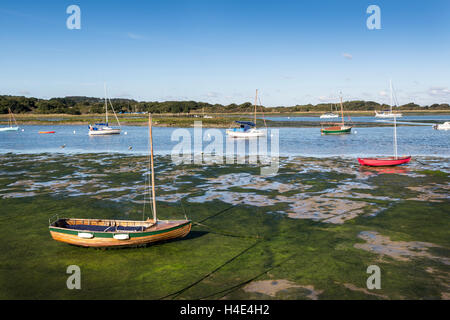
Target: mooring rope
pixel 179 292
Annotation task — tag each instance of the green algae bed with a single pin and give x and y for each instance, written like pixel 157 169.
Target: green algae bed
pixel 308 232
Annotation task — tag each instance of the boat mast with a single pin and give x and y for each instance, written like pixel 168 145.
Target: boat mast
pixel 342 112
pixel 106 105
pixel 390 86
pixel 151 164
pixel 256 101
pixel 395 137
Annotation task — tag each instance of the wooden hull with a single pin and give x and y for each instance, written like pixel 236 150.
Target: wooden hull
pixel 161 231
pixel 336 130
pixel 387 161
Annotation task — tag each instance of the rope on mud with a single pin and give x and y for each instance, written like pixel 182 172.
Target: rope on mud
pixel 239 285
pixel 224 233
pixel 235 287
pixel 425 164
pixel 179 292
pixel 218 213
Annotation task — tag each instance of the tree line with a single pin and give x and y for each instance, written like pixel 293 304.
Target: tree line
pixel 86 105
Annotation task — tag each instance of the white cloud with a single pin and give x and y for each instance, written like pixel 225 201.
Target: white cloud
pixel 439 91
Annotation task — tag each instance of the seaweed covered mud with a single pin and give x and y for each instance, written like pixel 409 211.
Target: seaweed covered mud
pixel 309 232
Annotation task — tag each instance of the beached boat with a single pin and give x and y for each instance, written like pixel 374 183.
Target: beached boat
pixel 103 129
pixel 386 161
pixel 246 129
pixel 388 113
pixel 442 126
pixel 120 233
pixel 336 128
pixel 11 119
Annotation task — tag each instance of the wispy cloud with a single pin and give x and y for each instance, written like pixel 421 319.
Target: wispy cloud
pixel 124 95
pixel 439 91
pixel 135 36
pixel 212 94
pixel 347 56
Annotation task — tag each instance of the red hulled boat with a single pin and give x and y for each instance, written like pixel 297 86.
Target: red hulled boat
pixel 387 161
pixel 384 161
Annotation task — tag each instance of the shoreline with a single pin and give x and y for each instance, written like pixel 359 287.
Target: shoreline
pixel 219 120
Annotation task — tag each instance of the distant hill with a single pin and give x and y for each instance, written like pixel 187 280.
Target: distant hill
pixel 85 105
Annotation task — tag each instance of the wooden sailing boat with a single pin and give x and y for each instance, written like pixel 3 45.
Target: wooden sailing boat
pixel 120 233
pixel 338 128
pixel 247 129
pixel 386 161
pixel 102 129
pixel 11 119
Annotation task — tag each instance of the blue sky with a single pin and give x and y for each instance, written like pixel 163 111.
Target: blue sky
pixel 220 51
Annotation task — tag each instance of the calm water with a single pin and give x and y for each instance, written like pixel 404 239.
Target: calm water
pixel 416 141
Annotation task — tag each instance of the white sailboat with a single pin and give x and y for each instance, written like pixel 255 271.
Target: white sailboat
pixel 388 113
pixel 11 119
pixel 329 115
pixel 102 129
pixel 442 126
pixel 247 129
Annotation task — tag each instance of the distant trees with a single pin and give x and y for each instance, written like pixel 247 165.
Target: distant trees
pixel 83 105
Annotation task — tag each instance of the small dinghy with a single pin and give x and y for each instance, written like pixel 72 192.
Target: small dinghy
pixel 46 132
pixel 120 233
pixel 116 233
pixel 384 161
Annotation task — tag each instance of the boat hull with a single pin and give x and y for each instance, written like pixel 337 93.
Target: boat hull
pixel 443 126
pixel 328 116
pixel 9 129
pixel 104 132
pixel 382 162
pixel 387 115
pixel 336 130
pixel 46 132
pixel 247 134
pixel 164 230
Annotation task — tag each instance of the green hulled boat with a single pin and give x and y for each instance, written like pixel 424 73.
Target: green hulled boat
pixel 336 128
